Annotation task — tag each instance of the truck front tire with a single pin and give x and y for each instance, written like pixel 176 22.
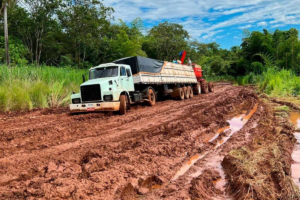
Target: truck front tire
pixel 123 104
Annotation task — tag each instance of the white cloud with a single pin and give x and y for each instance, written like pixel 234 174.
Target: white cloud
pixel 245 27
pixel 237 10
pixel 262 24
pixel 210 34
pixel 205 19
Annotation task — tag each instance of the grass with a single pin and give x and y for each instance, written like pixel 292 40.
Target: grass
pixel 248 79
pixel 27 87
pixel 279 83
pixel 274 82
pixel 283 108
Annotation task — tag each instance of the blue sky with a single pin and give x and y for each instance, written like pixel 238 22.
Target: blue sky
pixel 211 20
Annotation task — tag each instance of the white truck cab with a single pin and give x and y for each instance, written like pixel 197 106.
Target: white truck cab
pixel 107 82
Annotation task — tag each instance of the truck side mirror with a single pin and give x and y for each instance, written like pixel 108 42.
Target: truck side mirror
pixel 83 78
pixel 128 72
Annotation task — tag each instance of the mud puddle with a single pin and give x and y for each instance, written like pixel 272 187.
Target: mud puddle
pixel 295 119
pixel 235 124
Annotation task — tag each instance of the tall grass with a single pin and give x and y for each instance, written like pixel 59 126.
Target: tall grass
pixel 279 83
pixel 27 87
pixel 249 79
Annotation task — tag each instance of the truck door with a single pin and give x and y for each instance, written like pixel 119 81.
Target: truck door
pixel 124 79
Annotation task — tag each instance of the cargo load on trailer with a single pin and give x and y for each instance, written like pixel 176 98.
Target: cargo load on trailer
pixel 115 86
pixel 150 71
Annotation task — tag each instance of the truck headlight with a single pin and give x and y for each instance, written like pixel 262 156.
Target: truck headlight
pixel 108 98
pixel 76 101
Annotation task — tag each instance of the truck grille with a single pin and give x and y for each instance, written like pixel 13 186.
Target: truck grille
pixel 90 93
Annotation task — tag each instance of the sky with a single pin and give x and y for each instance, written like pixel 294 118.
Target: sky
pixel 221 21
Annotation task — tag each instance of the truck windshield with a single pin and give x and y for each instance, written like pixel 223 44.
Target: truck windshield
pixel 103 72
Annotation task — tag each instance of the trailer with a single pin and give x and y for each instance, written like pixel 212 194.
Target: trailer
pixel 115 86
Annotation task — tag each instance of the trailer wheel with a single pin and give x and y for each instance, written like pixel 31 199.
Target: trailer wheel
pixel 181 94
pixel 190 91
pixel 123 103
pixel 186 92
pixel 197 89
pixel 151 97
pixel 204 87
pixel 210 87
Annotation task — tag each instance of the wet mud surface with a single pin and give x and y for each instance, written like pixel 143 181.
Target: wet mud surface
pixel 50 154
pixel 295 120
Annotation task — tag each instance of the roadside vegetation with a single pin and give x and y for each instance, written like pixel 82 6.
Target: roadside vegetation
pixel 27 87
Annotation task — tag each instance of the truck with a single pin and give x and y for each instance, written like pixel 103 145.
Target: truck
pixel 116 86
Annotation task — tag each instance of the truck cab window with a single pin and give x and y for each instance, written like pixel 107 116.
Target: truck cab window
pixel 123 71
pixel 104 72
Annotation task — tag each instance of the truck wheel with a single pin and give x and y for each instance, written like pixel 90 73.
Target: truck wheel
pixel 197 89
pixel 191 93
pixel 181 94
pixel 210 87
pixel 123 103
pixel 151 97
pixel 204 87
pixel 186 92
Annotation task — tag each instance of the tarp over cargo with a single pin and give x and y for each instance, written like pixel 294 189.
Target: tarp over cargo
pixel 141 64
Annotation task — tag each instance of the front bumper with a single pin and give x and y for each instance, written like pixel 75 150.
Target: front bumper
pixel 92 107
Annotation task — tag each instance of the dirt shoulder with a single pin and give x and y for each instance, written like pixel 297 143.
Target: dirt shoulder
pixel 262 168
pixel 50 154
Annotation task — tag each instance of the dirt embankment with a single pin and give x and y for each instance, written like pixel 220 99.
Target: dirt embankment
pixel 262 168
pixel 171 151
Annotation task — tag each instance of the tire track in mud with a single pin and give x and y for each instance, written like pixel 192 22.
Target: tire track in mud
pixel 114 150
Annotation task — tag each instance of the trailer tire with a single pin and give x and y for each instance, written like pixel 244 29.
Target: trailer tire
pixel 186 92
pixel 204 87
pixel 197 89
pixel 190 91
pixel 181 94
pixel 151 97
pixel 210 87
pixel 123 104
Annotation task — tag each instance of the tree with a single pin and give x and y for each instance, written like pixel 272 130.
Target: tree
pixel 4 5
pixel 166 40
pixel 86 24
pixel 6 32
pixel 40 20
pixel 18 51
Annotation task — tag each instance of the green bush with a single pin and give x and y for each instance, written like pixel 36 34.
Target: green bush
pixel 17 51
pixel 257 67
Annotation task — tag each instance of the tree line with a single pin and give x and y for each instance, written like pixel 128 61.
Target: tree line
pixel 83 33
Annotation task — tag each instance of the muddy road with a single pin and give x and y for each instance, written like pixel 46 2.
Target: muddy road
pixel 171 151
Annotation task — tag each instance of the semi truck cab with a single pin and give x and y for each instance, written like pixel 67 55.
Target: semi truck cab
pixel 107 82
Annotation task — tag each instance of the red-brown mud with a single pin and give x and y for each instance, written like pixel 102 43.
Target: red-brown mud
pixel 50 154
